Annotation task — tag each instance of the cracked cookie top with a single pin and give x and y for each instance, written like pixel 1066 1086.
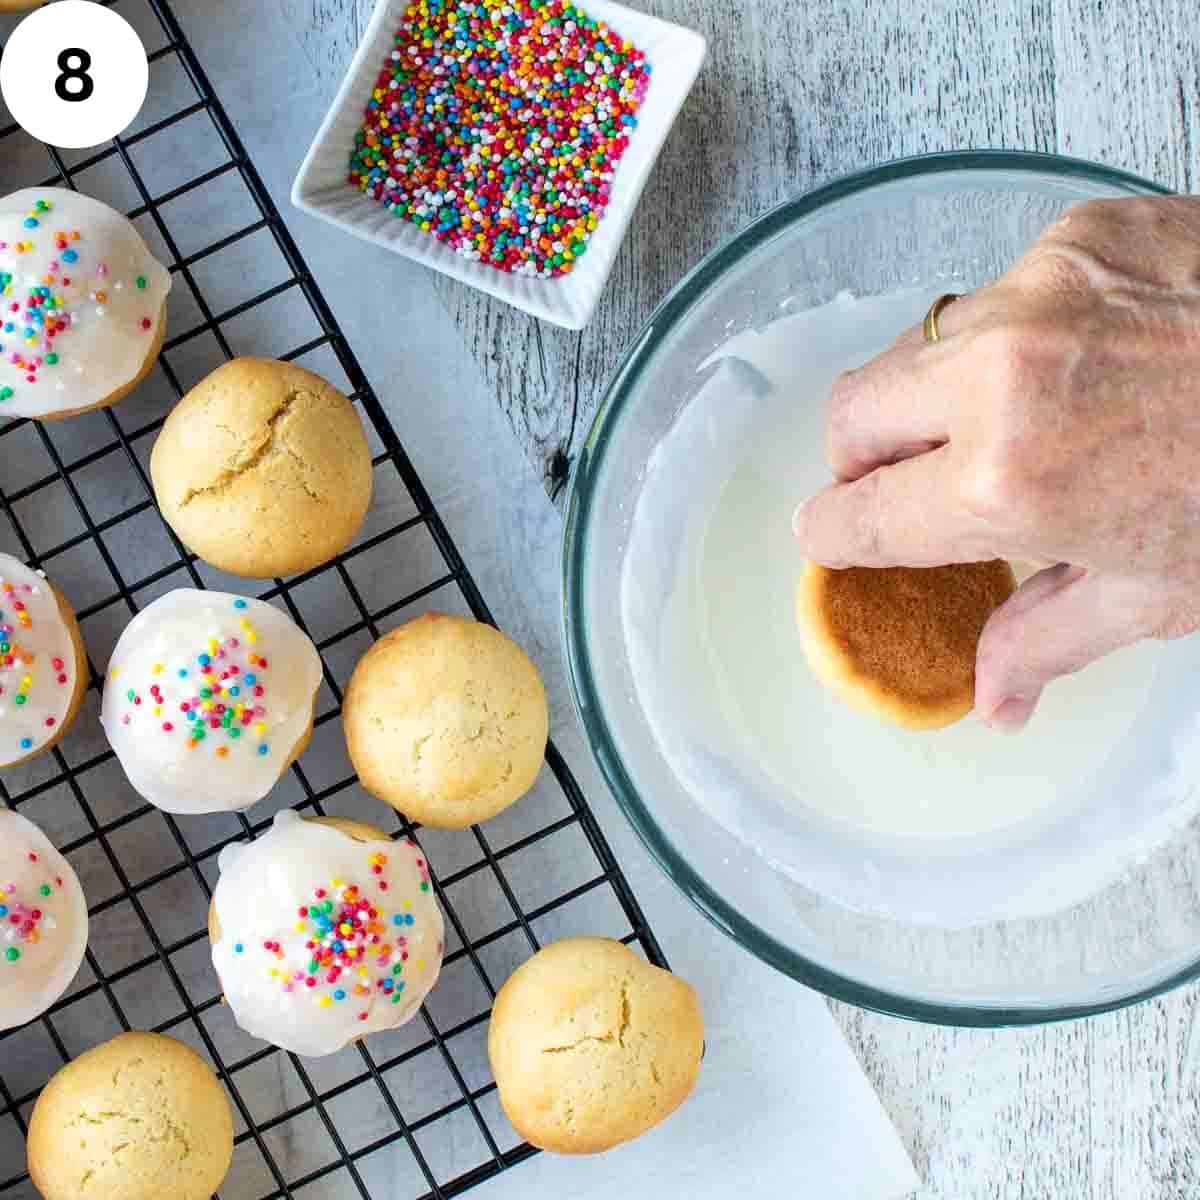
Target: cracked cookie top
pixel 208 698
pixel 324 931
pixel 446 720
pixel 81 303
pixel 592 1046
pixel 263 469
pixel 140 1117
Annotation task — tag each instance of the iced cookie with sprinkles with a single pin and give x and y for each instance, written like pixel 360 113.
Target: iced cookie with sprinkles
pixel 324 930
pixel 208 699
pixel 82 305
pixel 43 922
pixel 43 666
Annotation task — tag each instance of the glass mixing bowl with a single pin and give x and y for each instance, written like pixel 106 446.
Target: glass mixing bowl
pixel 951 223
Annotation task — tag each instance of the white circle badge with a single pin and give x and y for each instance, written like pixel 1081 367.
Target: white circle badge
pixel 74 74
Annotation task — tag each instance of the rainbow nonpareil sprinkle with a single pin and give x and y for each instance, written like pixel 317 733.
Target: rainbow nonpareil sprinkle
pixel 38 311
pixel 497 127
pixel 22 919
pixel 20 668
pixel 345 947
pixel 214 693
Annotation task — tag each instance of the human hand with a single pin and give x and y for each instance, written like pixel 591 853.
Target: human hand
pixel 1056 422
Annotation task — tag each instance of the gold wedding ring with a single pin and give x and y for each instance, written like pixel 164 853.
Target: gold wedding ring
pixel 939 306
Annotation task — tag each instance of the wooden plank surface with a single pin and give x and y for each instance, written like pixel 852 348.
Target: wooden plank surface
pixel 794 95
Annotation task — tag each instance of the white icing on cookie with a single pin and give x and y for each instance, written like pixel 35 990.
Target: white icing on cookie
pixel 207 697
pixel 43 922
pixel 324 939
pixel 38 669
pixel 81 299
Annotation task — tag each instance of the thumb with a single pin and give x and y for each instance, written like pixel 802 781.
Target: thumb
pixel 1057 622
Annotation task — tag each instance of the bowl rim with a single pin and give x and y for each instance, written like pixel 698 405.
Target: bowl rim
pixel 670 311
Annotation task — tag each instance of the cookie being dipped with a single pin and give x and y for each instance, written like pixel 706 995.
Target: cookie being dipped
pixel 899 643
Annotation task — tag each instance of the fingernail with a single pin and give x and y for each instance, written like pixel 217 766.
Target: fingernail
pixel 1012 715
pixel 798 519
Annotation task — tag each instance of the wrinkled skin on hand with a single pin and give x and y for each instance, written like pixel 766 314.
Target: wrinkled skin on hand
pixel 1056 422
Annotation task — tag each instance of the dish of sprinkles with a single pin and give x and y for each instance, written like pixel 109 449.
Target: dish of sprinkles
pixel 214 695
pixel 22 919
pixel 38 311
pixel 497 127
pixel 19 666
pixel 349 944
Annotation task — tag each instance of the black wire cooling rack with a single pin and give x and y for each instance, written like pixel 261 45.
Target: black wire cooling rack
pixel 414 1112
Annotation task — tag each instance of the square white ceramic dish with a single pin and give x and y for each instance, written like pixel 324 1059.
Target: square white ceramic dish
pixel 322 188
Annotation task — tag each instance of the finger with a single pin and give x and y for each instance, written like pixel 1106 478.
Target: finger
pixel 895 407
pixel 900 403
pixel 1056 623
pixel 902 515
pixel 1152 240
pixel 969 309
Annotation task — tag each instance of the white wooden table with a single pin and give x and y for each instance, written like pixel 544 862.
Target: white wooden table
pixel 797 94
pixel 794 94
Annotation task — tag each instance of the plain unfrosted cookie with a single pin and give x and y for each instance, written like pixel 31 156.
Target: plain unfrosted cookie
pixel 899 643
pixel 19 5
pixel 446 721
pixel 263 469
pixel 324 930
pixel 591 1046
pixel 141 1117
